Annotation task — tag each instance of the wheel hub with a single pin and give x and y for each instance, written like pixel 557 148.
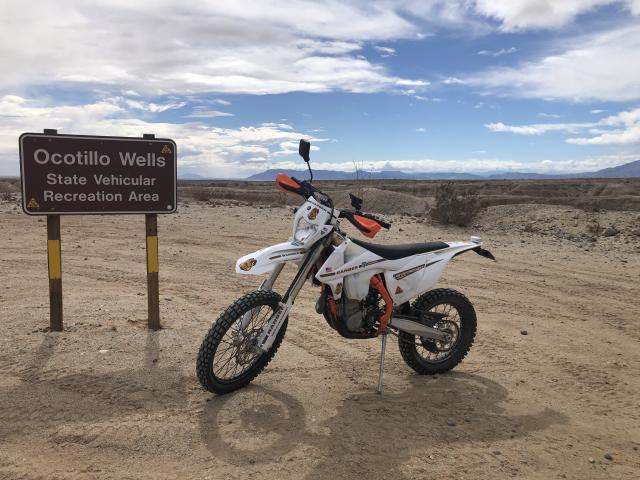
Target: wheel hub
pixel 246 348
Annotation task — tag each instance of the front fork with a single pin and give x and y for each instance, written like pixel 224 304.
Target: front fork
pixel 271 329
pixel 267 285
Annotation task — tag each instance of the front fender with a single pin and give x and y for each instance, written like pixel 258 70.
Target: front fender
pixel 264 261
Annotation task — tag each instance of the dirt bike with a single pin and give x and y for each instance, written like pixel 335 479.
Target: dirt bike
pixel 366 290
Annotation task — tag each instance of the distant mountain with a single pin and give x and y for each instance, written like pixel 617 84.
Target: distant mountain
pixel 628 170
pixel 631 169
pixel 331 175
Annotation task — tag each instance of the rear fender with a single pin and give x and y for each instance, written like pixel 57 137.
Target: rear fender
pixel 421 272
pixel 264 261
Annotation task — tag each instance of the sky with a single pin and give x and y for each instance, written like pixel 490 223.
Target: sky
pixel 413 85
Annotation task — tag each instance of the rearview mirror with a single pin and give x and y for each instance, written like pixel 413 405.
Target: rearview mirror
pixel 303 149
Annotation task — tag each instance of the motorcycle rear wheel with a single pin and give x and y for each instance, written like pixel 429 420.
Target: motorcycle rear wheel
pixel 225 363
pixel 428 357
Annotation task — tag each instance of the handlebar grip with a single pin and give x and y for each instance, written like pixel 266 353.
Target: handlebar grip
pixel 383 224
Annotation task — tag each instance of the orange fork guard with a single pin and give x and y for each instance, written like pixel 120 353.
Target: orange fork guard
pixel 378 284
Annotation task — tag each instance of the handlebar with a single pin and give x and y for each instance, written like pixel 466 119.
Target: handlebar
pixel 349 215
pixel 306 189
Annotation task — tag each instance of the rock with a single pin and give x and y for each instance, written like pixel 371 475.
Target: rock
pixel 103 351
pixel 608 456
pixel 450 423
pixel 592 460
pixel 524 332
pixel 610 232
pixel 497 452
pixel 635 231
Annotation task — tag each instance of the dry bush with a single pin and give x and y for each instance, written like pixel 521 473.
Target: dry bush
pixel 453 207
pixel 594 228
pixel 588 205
pixel 201 194
pixel 6 196
pixel 8 187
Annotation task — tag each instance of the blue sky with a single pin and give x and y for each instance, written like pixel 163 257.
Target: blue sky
pixel 430 85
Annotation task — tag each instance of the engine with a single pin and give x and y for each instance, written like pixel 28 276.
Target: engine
pixel 352 314
pixel 351 318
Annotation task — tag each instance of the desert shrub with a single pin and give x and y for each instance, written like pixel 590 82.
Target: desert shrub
pixel 594 228
pixel 454 207
pixel 6 196
pixel 8 187
pixel 589 205
pixel 201 194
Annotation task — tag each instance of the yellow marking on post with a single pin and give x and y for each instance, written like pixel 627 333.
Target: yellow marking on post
pixel 53 251
pixel 152 254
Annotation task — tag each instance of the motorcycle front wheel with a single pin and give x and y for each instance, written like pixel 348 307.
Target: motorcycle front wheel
pixel 228 359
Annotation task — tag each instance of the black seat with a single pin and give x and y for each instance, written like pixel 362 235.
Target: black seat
pixel 394 252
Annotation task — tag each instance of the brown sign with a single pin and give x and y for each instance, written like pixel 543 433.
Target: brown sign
pixel 75 174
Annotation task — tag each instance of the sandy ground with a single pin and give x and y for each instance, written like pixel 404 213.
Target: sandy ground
pixel 108 399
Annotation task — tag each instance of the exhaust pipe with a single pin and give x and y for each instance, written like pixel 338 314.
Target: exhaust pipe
pixel 409 325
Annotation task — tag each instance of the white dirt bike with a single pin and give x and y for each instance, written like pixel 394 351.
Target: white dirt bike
pixel 366 290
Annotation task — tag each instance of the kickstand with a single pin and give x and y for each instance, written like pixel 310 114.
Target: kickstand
pixel 381 374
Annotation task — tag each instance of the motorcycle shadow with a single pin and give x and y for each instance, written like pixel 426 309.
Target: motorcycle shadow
pixel 369 434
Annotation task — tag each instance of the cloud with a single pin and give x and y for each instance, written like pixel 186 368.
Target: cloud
pixel 427 99
pixel 620 129
pixel 291 148
pixel 624 130
pixel 537 128
pixel 153 107
pixel 549 115
pixel 386 51
pixel 203 113
pixel 599 66
pixel 282 126
pixel 453 81
pixel 498 53
pixel 248 46
pixel 213 151
pixel 421 129
pixel 515 15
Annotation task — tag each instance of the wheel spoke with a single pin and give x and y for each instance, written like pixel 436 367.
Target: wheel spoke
pixel 232 359
pixel 440 350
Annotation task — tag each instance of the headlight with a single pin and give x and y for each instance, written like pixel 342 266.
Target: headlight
pixel 304 230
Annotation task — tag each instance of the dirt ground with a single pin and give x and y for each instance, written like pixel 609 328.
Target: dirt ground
pixel 108 399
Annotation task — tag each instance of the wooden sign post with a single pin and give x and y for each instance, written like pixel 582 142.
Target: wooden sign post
pixel 84 175
pixel 54 255
pixel 153 284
